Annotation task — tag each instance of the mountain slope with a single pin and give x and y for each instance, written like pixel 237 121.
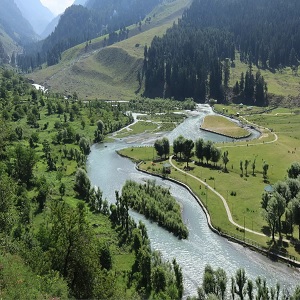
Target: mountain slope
pixel 80 2
pixel 14 24
pixel 87 71
pixel 50 27
pixel 37 14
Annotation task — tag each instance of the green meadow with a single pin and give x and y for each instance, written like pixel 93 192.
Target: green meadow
pixel 242 191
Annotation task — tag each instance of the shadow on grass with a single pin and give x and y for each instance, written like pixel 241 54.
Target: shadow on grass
pixel 266 230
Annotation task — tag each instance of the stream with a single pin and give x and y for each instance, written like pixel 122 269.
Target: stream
pixel 109 171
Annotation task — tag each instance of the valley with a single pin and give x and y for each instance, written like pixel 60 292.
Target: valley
pixel 160 160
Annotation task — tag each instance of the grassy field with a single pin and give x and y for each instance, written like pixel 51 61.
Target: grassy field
pixel 151 124
pixel 283 82
pixel 242 190
pixel 111 72
pixel 222 125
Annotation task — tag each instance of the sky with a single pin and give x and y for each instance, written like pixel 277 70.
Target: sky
pixel 57 6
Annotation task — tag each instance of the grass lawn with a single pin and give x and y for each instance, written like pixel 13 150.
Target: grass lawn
pixel 242 191
pixel 222 125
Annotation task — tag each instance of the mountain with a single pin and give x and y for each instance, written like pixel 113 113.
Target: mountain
pixel 14 24
pixel 80 2
pixel 110 72
pixel 80 24
pixel 36 13
pixel 50 27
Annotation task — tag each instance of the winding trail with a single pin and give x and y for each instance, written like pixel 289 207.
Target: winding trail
pixel 229 215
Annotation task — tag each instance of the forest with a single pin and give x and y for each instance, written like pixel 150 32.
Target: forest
pixel 155 203
pixel 82 24
pixel 194 57
pixel 49 210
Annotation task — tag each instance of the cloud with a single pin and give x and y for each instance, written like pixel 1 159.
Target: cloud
pixel 57 6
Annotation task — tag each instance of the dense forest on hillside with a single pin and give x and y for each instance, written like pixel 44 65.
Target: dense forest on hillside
pixel 59 237
pixel 81 24
pixel 14 24
pixel 193 58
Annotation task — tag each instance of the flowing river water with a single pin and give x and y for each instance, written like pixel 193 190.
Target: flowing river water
pixel 109 171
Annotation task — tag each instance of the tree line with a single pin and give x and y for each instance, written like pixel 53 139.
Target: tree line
pixel 194 57
pixel 59 236
pixel 284 199
pixel 215 284
pixel 156 204
pixel 96 19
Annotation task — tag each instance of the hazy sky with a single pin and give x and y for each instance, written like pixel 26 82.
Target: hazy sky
pixel 57 6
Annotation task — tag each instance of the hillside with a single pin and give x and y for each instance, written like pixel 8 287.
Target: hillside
pixel 14 24
pixel 112 82
pixel 89 71
pixel 193 59
pixel 38 15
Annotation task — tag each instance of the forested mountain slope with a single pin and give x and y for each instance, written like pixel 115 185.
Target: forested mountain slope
pixel 81 24
pixel 38 15
pixel 109 73
pixel 190 60
pixel 14 24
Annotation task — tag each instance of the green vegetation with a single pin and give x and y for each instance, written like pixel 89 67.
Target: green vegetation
pixel 139 127
pixel 215 282
pixel 243 179
pixel 59 237
pixel 156 204
pixel 222 125
pixel 111 72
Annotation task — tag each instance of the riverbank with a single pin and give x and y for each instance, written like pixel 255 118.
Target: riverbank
pixel 245 208
pixel 220 125
pixel 290 260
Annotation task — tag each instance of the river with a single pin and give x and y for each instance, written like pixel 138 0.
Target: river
pixel 109 171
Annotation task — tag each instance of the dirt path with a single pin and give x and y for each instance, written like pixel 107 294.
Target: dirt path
pixel 229 215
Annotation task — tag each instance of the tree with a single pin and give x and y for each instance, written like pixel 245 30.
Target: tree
pixel 188 146
pixel 159 147
pixel 215 154
pixel 274 209
pixel 240 282
pixel 62 190
pixel 7 201
pixel 265 170
pixel 209 281
pixel 19 132
pixel 67 233
pixel 294 187
pixel 166 146
pixel 296 213
pixel 296 295
pixel 246 164
pixel 199 145
pixel 84 145
pixel 179 278
pixel 25 160
pixel 241 168
pixel 207 151
pixel 225 160
pixel 294 170
pixel 82 184
pixel 250 289
pixel 100 127
pixel 159 281
pixel 105 257
pixel 253 166
pixel 282 188
pixel 221 283
pixel 43 192
pixel 178 145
